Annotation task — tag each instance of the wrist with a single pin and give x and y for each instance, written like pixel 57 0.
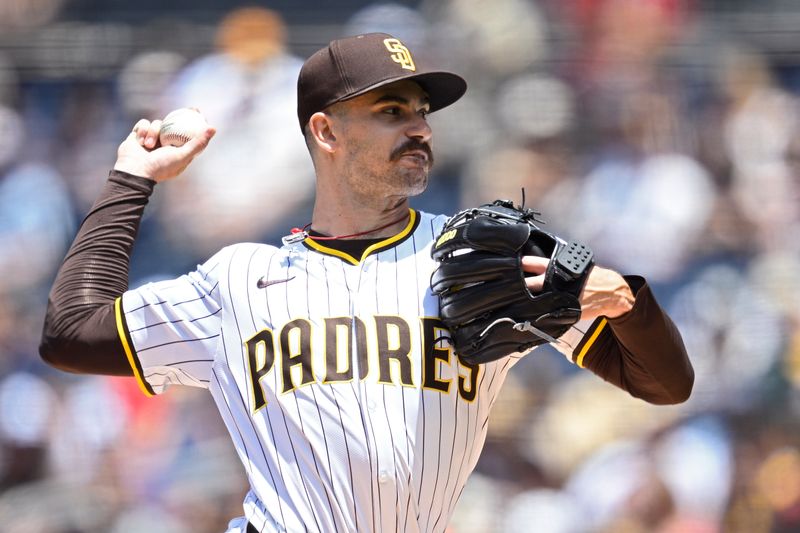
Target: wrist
pixel 623 302
pixel 134 168
pixel 132 181
pixel 606 293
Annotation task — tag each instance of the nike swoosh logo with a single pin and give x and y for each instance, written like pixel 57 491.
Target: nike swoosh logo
pixel 263 283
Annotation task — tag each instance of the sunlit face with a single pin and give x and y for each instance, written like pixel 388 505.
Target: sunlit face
pixel 384 141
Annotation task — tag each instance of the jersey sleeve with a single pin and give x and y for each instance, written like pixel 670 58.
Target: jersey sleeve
pixel 170 329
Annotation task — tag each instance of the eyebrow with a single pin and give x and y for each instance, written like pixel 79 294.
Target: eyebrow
pixel 394 98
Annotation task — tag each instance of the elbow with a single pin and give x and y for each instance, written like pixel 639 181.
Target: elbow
pixel 682 377
pixel 58 347
pixel 683 382
pixel 58 352
pixel 52 346
pixel 52 353
pixel 678 391
pixel 85 346
pixel 684 389
pixel 675 397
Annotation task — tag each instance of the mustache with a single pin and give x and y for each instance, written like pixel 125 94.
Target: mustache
pixel 409 146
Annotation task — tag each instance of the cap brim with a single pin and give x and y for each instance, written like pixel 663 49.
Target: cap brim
pixel 443 88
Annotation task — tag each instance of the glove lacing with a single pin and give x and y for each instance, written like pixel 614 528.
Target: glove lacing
pixel 521 326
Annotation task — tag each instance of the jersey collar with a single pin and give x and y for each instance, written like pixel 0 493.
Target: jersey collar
pixel 330 249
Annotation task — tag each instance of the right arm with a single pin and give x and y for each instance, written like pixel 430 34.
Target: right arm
pixel 80 331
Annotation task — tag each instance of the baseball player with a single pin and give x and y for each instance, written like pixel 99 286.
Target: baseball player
pixel 326 356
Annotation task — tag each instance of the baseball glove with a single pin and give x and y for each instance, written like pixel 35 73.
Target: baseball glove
pixel 484 300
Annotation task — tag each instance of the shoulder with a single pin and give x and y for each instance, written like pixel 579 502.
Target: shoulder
pixel 430 223
pixel 249 248
pixel 236 254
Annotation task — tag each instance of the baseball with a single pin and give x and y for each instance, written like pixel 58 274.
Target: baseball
pixel 181 125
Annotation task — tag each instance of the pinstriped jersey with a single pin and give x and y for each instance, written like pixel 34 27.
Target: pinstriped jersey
pixel 332 373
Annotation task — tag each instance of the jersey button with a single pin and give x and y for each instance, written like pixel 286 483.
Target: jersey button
pixel 371 405
pixel 384 477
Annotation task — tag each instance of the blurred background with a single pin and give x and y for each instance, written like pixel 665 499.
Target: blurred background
pixel 662 132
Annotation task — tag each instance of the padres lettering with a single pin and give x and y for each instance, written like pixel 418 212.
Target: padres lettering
pixel 391 339
pixel 400 53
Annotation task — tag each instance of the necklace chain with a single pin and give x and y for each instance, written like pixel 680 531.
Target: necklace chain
pixel 305 228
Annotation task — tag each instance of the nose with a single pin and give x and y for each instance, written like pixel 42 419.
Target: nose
pixel 419 129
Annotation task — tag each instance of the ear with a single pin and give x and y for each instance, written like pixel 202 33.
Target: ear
pixel 321 127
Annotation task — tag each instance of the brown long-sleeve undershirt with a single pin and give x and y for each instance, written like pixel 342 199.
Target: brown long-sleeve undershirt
pixel 80 332
pixel 640 352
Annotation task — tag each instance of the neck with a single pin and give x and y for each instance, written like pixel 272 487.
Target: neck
pixel 343 212
pixel 359 222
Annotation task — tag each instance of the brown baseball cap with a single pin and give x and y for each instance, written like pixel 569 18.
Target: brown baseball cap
pixel 352 66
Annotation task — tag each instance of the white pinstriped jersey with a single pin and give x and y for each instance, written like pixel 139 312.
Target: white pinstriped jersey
pixel 346 407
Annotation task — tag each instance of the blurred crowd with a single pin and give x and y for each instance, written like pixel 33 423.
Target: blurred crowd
pixel 655 130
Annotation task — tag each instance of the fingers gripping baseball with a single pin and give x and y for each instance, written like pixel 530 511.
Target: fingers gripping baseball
pixel 142 154
pixel 147 132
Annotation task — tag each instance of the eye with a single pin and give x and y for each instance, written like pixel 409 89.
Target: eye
pixel 424 113
pixel 394 110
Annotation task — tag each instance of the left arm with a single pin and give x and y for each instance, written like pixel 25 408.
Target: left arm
pixel 640 351
pixel 632 343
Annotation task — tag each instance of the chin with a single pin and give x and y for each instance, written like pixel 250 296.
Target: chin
pixel 415 185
